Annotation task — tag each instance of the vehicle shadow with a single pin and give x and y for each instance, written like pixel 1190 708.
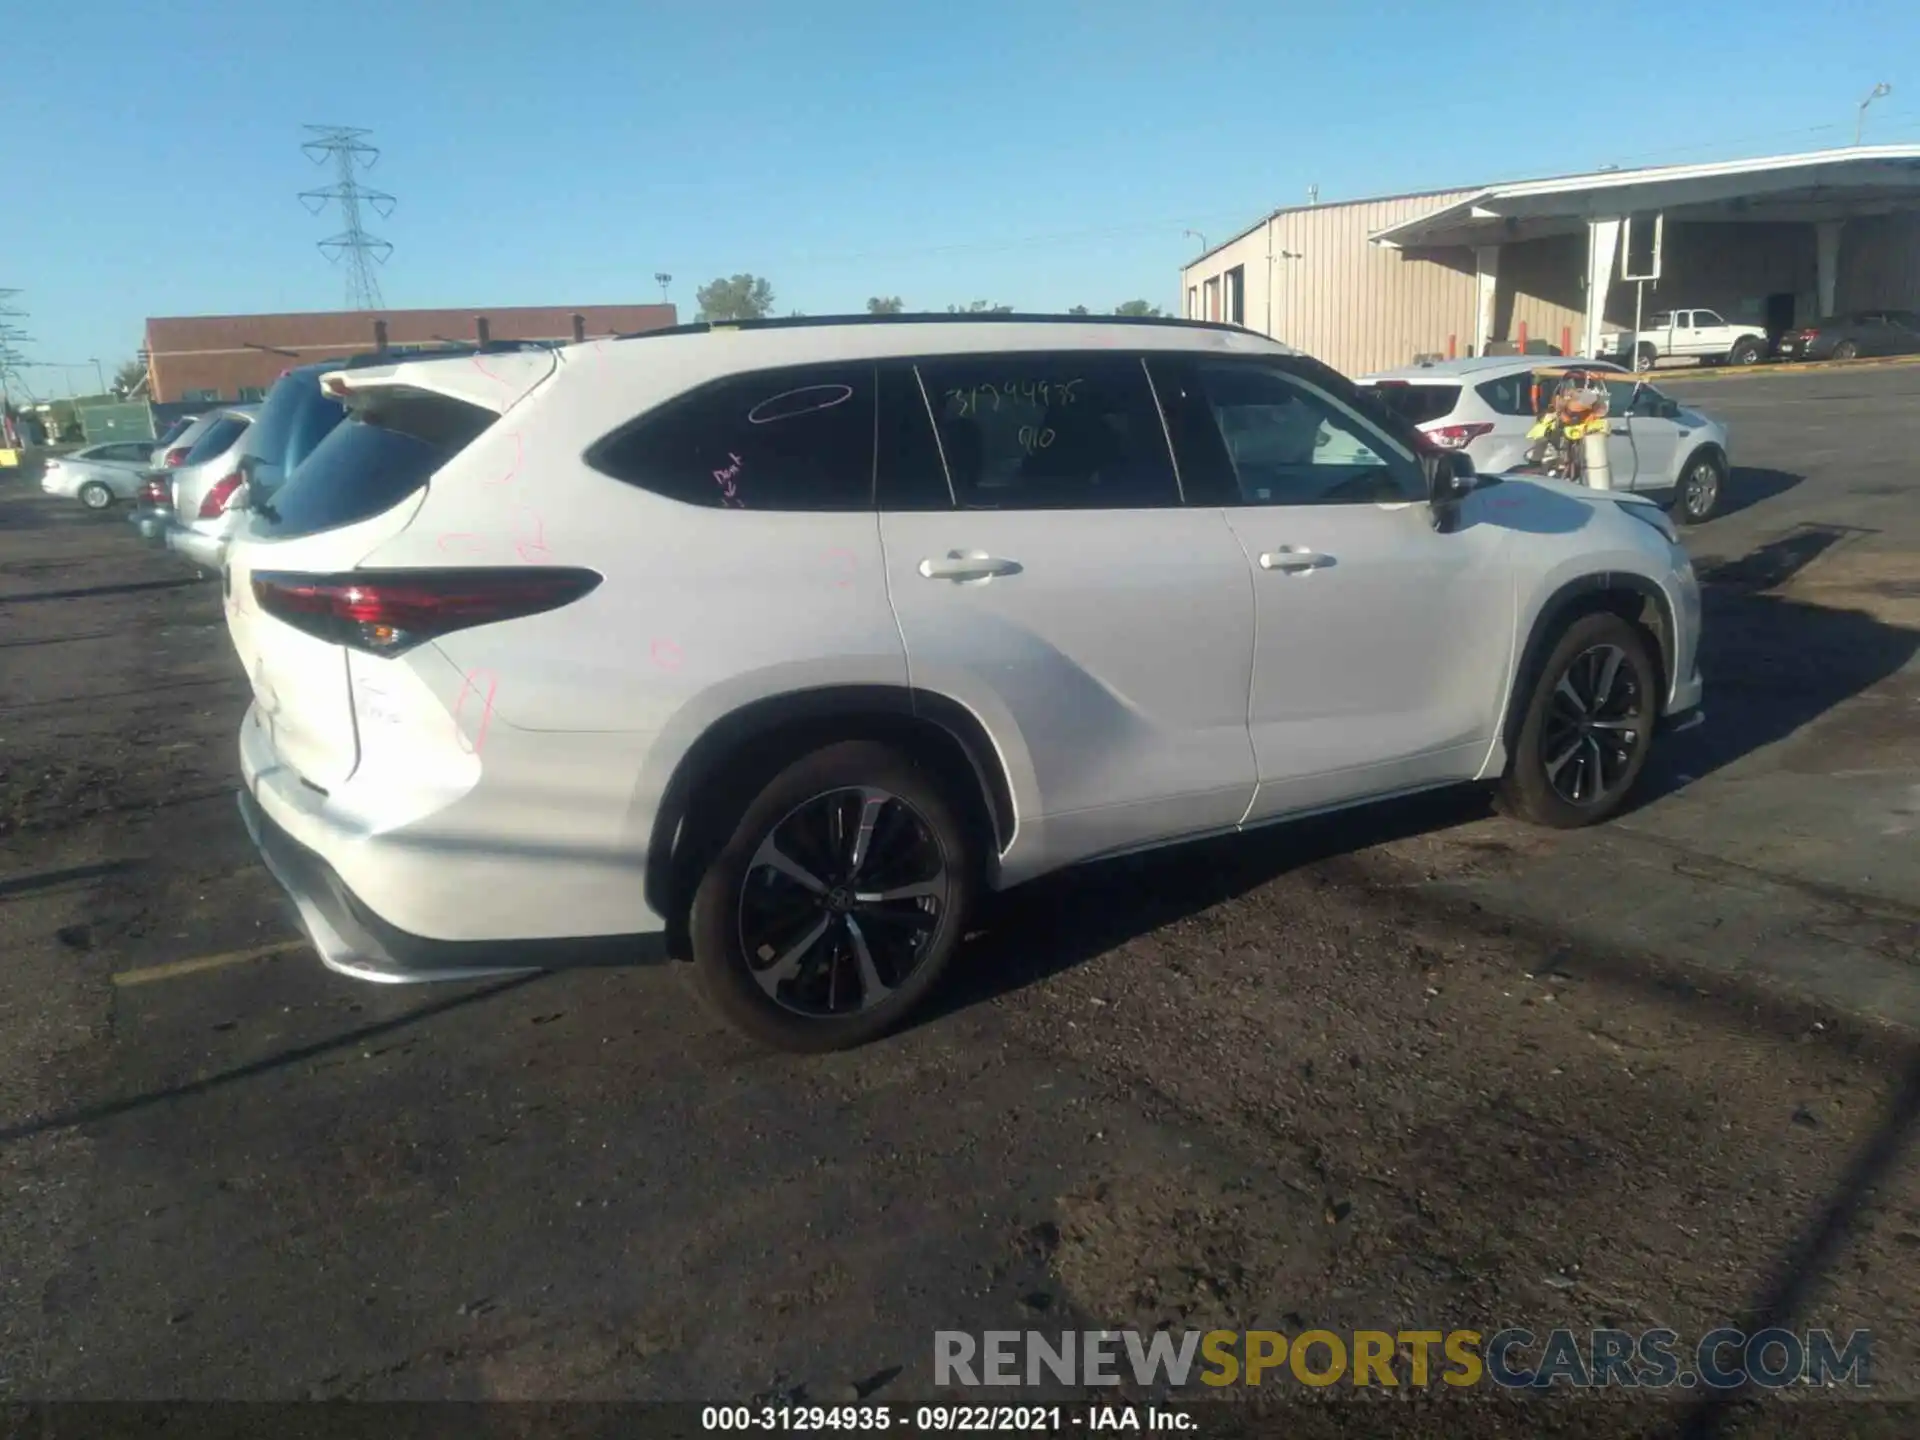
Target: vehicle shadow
pixel 1773 664
pixel 1052 924
pixel 1749 485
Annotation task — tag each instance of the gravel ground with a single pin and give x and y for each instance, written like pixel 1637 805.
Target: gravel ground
pixel 1354 1074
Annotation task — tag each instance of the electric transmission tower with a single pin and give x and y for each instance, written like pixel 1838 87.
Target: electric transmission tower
pixel 345 148
pixel 12 358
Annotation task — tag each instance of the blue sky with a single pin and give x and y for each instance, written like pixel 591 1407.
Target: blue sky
pixel 1039 154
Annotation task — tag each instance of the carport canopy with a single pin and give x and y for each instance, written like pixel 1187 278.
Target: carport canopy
pixel 1823 188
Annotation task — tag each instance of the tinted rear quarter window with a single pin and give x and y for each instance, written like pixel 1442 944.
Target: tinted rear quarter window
pixel 795 439
pixel 1416 404
pixel 370 462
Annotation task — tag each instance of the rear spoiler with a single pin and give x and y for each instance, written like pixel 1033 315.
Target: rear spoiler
pixel 495 382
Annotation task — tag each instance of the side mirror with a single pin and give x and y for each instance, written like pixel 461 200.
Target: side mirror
pixel 1450 476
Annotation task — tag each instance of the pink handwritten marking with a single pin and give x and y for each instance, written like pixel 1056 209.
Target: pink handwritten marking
pixel 528 546
pixel 515 468
pixel 666 654
pixel 462 541
pixel 471 684
pixel 725 478
pixel 489 374
pixel 847 559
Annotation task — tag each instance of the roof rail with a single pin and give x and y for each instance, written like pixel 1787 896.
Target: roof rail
pixel 975 317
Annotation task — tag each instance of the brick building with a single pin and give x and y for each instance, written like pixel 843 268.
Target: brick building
pixel 208 359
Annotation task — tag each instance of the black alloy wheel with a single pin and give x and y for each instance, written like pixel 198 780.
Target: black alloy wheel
pixel 834 899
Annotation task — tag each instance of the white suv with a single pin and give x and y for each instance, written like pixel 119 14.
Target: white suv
pixel 1486 406
pixel 767 645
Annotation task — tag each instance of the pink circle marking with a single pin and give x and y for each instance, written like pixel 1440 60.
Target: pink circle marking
pixel 666 654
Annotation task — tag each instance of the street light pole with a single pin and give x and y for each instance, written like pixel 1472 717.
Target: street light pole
pixel 1860 124
pixel 99 374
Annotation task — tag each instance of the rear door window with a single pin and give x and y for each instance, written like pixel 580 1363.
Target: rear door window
pixel 370 462
pixel 795 439
pixel 1050 431
pixel 1416 404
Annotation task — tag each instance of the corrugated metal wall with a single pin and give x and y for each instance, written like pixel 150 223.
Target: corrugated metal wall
pixel 1361 307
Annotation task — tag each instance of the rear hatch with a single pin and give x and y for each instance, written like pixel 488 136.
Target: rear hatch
pixel 288 579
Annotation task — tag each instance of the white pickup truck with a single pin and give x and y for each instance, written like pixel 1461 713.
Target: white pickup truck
pixel 1691 334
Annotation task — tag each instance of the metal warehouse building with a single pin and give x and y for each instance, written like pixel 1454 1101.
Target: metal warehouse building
pixel 207 359
pixel 1373 283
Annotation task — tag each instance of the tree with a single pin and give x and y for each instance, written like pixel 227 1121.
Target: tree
pixel 885 305
pixel 980 307
pixel 743 297
pixel 127 376
pixel 1076 310
pixel 1137 308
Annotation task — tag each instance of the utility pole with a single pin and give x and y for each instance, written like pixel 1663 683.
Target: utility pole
pixel 1860 123
pixel 346 149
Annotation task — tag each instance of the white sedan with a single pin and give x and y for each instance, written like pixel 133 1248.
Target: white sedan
pixel 99 474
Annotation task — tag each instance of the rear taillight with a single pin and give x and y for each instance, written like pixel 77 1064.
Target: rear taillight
pixel 1457 437
pixel 154 491
pixel 387 612
pixel 215 505
pixel 176 456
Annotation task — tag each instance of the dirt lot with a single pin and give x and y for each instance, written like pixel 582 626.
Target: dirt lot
pixel 1416 1068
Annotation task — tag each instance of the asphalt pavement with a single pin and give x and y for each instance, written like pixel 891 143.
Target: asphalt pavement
pixel 1416 1067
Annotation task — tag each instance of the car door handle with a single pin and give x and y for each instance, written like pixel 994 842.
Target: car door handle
pixel 967 565
pixel 1294 560
pixel 1616 427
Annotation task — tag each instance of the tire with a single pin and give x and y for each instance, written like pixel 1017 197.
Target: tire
pixel 1539 790
pixel 1702 488
pixel 1746 351
pixel 1846 350
pixel 96 496
pixel 813 928
pixel 1644 357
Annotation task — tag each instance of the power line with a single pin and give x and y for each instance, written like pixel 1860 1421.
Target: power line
pixel 346 149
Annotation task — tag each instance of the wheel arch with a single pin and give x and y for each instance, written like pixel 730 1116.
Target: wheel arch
pixel 1634 598
pixel 742 749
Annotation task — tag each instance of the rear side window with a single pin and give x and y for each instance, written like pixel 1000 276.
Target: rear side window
pixel 799 439
pixel 1050 432
pixel 216 439
pixel 370 462
pixel 1416 404
pixel 1510 394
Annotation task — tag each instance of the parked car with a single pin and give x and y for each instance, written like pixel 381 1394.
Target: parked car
pixel 772 645
pixel 204 489
pixel 1485 408
pixel 97 475
pixel 1851 337
pixel 172 449
pixel 1688 334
